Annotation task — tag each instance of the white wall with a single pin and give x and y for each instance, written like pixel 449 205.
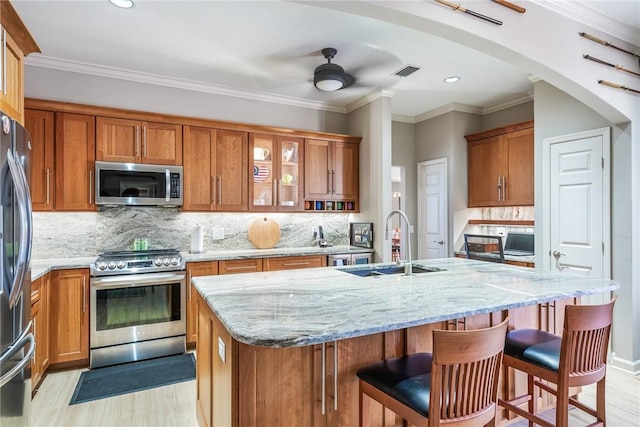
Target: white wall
pixel 559 114
pixel 404 154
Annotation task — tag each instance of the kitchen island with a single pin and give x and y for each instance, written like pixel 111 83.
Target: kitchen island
pixel 282 348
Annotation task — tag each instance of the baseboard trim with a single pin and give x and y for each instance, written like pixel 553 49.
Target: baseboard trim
pixel 632 367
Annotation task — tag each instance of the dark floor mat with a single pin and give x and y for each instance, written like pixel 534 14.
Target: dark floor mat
pixel 136 376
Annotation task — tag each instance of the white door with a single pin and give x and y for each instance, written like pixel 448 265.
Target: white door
pixel 432 209
pixel 578 199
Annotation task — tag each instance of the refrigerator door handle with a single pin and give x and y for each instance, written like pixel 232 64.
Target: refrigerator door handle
pixel 28 339
pixel 24 208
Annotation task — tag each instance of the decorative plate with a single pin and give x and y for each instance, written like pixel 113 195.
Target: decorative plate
pixel 260 173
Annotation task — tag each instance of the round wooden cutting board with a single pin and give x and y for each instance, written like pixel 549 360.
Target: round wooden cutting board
pixel 264 233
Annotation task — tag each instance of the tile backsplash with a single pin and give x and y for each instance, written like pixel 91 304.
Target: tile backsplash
pixel 79 234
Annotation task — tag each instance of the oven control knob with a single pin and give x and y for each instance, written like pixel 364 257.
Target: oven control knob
pixel 174 261
pixel 158 262
pixel 166 261
pixel 112 265
pixel 120 264
pixel 101 265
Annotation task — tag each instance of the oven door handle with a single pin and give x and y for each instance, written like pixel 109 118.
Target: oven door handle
pixel 133 280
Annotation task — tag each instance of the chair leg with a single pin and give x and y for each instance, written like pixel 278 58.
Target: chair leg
pixel 600 402
pixel 365 409
pixel 533 402
pixel 562 406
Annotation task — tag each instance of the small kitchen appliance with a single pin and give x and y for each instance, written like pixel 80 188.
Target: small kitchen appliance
pixel 137 184
pixel 137 306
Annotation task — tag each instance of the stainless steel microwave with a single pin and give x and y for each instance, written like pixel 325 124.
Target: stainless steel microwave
pixel 137 184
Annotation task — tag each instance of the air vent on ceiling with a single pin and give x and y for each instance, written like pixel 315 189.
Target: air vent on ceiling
pixel 406 71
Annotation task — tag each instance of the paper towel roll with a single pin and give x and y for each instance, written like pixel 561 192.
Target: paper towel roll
pixel 197 245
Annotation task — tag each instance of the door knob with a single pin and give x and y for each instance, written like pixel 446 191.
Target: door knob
pixel 558 254
pixel 440 242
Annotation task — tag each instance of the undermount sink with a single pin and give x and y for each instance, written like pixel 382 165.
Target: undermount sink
pixel 384 271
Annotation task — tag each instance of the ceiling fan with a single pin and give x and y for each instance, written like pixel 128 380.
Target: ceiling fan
pixel 330 77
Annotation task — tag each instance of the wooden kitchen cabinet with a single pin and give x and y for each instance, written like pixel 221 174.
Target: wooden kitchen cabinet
pixel 40 328
pixel 196 269
pixel 236 266
pixel 331 171
pixel 500 166
pixel 40 125
pixel 294 262
pixel 276 176
pixel 215 169
pixel 69 296
pixel 133 141
pixel 15 44
pixel 75 153
pixel 283 386
pixel 245 385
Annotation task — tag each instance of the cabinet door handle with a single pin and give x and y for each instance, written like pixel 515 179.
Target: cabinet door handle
pixel 499 188
pixel 84 294
pixel 144 142
pixel 279 191
pixel 90 185
pixel 292 264
pixel 220 190
pixel 48 175
pixel 137 142
pixel 324 379
pixel 213 190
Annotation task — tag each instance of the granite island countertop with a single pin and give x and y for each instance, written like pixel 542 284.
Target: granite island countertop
pixel 312 306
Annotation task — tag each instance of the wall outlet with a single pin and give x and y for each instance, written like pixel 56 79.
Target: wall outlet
pixel 218 233
pixel 222 350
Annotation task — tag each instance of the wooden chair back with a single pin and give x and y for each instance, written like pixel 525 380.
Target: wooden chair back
pixel 464 376
pixel 585 342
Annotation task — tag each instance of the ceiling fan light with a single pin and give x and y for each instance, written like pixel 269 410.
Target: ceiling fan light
pixel 329 85
pixel 125 4
pixel 330 77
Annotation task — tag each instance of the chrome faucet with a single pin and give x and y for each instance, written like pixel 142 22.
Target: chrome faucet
pixel 407 268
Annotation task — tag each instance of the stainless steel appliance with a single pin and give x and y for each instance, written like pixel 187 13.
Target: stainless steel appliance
pixel 349 259
pixel 138 184
pixel 17 344
pixel 137 306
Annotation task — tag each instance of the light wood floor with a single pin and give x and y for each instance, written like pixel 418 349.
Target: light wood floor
pixel 174 405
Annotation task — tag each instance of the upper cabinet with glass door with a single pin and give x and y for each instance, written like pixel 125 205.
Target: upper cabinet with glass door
pixel 276 168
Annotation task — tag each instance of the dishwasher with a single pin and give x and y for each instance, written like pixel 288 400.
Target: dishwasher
pixel 349 259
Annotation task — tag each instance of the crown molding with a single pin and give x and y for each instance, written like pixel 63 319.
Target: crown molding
pixel 42 61
pixel 507 103
pixel 581 11
pixel 370 97
pixel 454 106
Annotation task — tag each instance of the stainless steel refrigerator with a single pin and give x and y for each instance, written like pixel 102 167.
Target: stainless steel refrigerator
pixel 17 344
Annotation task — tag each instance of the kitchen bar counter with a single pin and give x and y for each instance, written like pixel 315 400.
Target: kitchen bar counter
pixel 305 307
pixel 283 347
pixel 40 267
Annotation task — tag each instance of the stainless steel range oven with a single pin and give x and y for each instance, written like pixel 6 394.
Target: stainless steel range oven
pixel 138 306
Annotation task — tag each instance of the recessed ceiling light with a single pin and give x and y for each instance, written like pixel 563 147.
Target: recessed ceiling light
pixel 126 4
pixel 452 79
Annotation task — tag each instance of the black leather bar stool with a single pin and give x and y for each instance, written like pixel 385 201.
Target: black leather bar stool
pixel 456 384
pixel 578 358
